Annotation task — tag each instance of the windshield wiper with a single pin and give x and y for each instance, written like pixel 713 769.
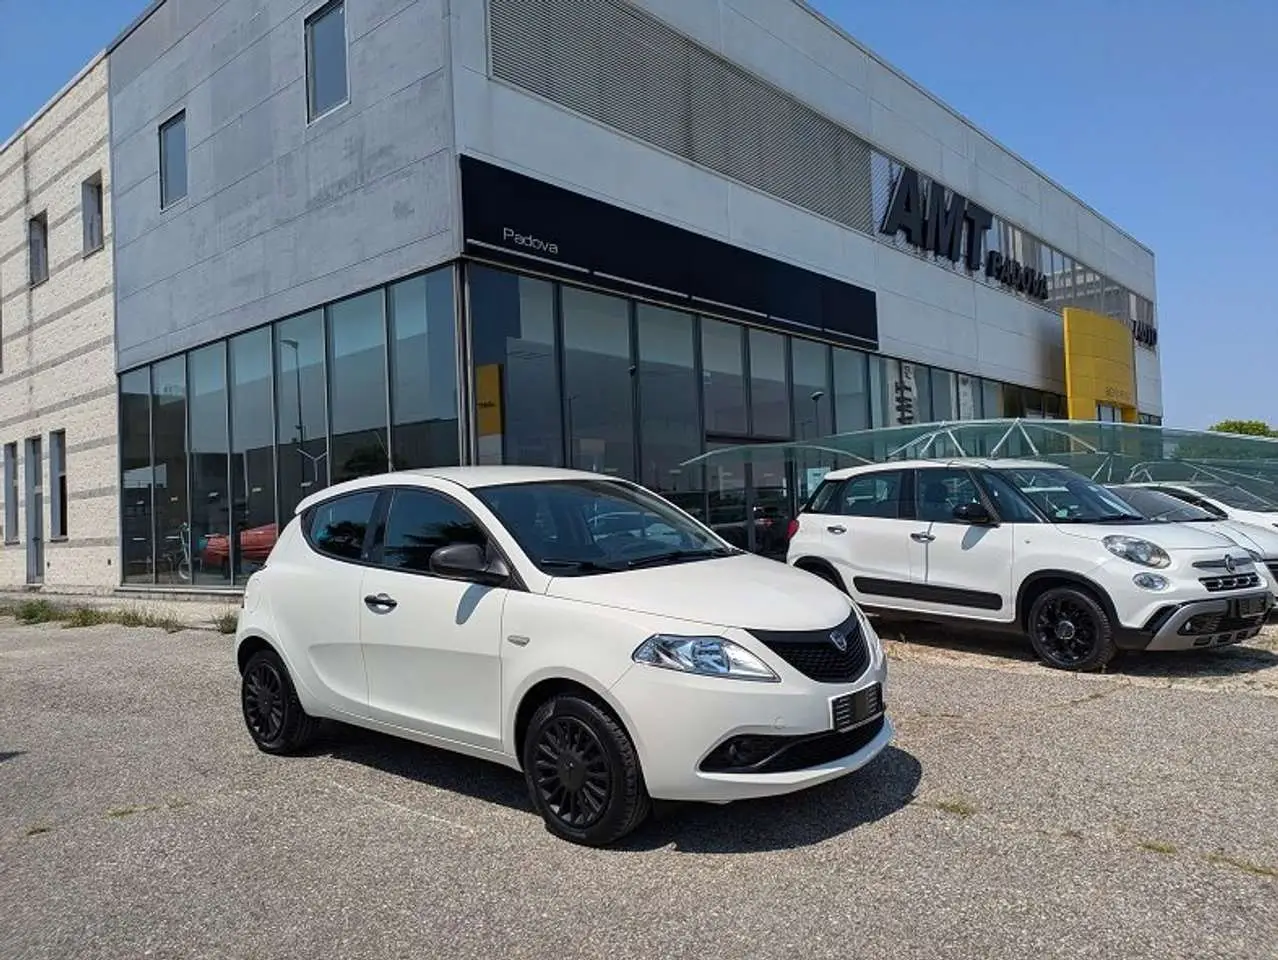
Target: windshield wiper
pixel 581 566
pixel 677 556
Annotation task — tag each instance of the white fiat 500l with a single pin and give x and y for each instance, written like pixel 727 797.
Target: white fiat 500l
pixel 516 614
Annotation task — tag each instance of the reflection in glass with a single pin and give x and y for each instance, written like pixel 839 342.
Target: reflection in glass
pixel 518 415
pixel 769 399
pixel 302 424
pixel 723 377
pixel 922 392
pixel 669 431
pixel 172 521
pixel 851 391
pixel 210 463
pixel 252 453
pixel 943 395
pixel 597 382
pixel 357 385
pixel 813 405
pixel 423 361
pixel 136 476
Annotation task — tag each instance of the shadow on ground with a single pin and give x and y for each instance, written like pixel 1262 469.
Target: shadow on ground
pixel 1255 656
pixel 800 819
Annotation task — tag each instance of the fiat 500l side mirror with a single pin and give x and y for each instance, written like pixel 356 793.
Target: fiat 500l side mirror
pixel 975 514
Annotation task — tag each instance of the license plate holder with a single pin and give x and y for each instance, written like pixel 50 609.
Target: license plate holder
pixel 853 709
pixel 1249 606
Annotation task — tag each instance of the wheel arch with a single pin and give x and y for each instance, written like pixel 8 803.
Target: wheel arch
pixel 818 566
pixel 546 687
pixel 1039 582
pixel 249 645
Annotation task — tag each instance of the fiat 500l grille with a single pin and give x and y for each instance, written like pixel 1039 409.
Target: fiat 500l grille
pixel 1237 581
pixel 816 653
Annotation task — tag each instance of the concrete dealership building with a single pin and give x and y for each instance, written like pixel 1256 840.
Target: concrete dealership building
pixel 355 235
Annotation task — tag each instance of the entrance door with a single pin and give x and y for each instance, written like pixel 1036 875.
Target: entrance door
pixel 750 504
pixel 35 510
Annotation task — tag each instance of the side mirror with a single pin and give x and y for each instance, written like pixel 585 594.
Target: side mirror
pixel 974 513
pixel 468 561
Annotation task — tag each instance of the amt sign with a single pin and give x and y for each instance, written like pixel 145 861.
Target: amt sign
pixel 929 223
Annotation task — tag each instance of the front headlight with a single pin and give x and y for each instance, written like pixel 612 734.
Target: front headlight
pixel 1137 551
pixel 705 656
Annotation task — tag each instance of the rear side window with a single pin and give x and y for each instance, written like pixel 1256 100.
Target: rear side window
pixel 882 495
pixel 825 498
pixel 422 521
pixel 338 527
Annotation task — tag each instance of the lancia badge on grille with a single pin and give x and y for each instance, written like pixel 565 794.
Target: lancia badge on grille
pixel 840 640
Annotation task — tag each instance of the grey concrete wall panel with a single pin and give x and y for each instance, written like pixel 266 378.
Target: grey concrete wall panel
pixel 268 192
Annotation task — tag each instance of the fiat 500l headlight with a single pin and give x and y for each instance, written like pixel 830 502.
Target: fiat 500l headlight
pixel 704 656
pixel 1137 551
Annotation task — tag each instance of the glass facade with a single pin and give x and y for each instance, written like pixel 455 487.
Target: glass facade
pixel 219 445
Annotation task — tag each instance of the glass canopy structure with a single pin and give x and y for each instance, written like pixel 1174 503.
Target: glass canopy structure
pixel 1107 452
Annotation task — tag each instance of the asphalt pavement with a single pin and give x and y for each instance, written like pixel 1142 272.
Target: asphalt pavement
pixel 1022 813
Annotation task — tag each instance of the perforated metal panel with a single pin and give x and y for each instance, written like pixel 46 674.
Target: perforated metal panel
pixel 615 64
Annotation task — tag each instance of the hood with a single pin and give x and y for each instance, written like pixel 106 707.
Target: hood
pixel 1169 536
pixel 739 591
pixel 1264 540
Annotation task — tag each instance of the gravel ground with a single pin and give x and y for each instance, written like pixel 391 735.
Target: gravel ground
pixel 1021 813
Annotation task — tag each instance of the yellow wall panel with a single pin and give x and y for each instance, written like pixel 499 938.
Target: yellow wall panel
pixel 1100 364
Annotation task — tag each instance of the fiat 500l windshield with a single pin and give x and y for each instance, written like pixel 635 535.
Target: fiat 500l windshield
pixel 585 527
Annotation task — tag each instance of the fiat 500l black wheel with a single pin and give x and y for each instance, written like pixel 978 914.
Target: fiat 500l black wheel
pixel 583 773
pixel 273 714
pixel 1070 630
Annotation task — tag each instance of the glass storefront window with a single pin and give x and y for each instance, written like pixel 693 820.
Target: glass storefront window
pixel 173 554
pixel 423 360
pixel 302 410
pixel 813 405
pixel 357 387
pixel 769 399
pixel 669 427
pixel 210 466
pixel 137 479
pixel 969 397
pixel 851 391
pixel 943 395
pixel 598 390
pixel 922 392
pixel 518 416
pixel 252 453
pixel 723 376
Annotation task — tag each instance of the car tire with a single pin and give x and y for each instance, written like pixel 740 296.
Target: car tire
pixel 1070 630
pixel 272 712
pixel 583 773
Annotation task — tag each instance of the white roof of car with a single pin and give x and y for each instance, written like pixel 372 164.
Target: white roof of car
pixel 471 478
pixel 970 462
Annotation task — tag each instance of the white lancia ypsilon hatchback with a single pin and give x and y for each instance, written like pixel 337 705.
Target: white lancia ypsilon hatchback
pixel 573 626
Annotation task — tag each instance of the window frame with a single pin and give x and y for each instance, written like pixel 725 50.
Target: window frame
pixel 907 509
pixel 376 520
pixel 11 518
pixel 308 25
pixel 942 468
pixel 40 220
pixel 91 188
pixel 167 202
pixel 58 507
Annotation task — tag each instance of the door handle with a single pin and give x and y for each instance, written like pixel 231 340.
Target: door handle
pixel 837 529
pixel 380 602
pixel 922 537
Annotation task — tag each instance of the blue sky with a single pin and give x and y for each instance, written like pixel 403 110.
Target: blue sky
pixel 1161 114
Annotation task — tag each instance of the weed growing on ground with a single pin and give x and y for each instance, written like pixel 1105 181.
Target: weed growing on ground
pixel 227 622
pixel 1246 865
pixel 959 808
pixel 1157 846
pixel 45 611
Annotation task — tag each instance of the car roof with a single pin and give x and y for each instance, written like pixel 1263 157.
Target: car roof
pixel 977 463
pixel 472 478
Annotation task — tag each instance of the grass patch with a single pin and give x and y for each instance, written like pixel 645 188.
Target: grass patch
pixel 958 808
pixel 227 622
pixel 86 617
pixel 45 611
pixel 36 611
pixel 1157 846
pixel 141 618
pixel 1255 869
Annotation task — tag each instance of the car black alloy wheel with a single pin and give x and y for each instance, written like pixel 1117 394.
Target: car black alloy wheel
pixel 572 772
pixel 1070 630
pixel 264 700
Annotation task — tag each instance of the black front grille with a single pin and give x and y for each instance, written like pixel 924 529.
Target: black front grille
pixel 767 754
pixel 1237 581
pixel 816 655
pixel 1272 565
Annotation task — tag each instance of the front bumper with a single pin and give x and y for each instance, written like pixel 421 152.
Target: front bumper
pixel 682 724
pixel 1203 623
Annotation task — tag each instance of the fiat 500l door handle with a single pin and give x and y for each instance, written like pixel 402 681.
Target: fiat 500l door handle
pixel 922 537
pixel 837 529
pixel 380 602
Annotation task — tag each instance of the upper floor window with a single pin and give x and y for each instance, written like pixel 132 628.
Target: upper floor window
pixel 38 248
pixel 91 212
pixel 173 160
pixel 326 87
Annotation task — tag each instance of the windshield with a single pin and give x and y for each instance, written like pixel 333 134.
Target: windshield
pixel 1067 497
pixel 1233 496
pixel 1156 505
pixel 574 528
